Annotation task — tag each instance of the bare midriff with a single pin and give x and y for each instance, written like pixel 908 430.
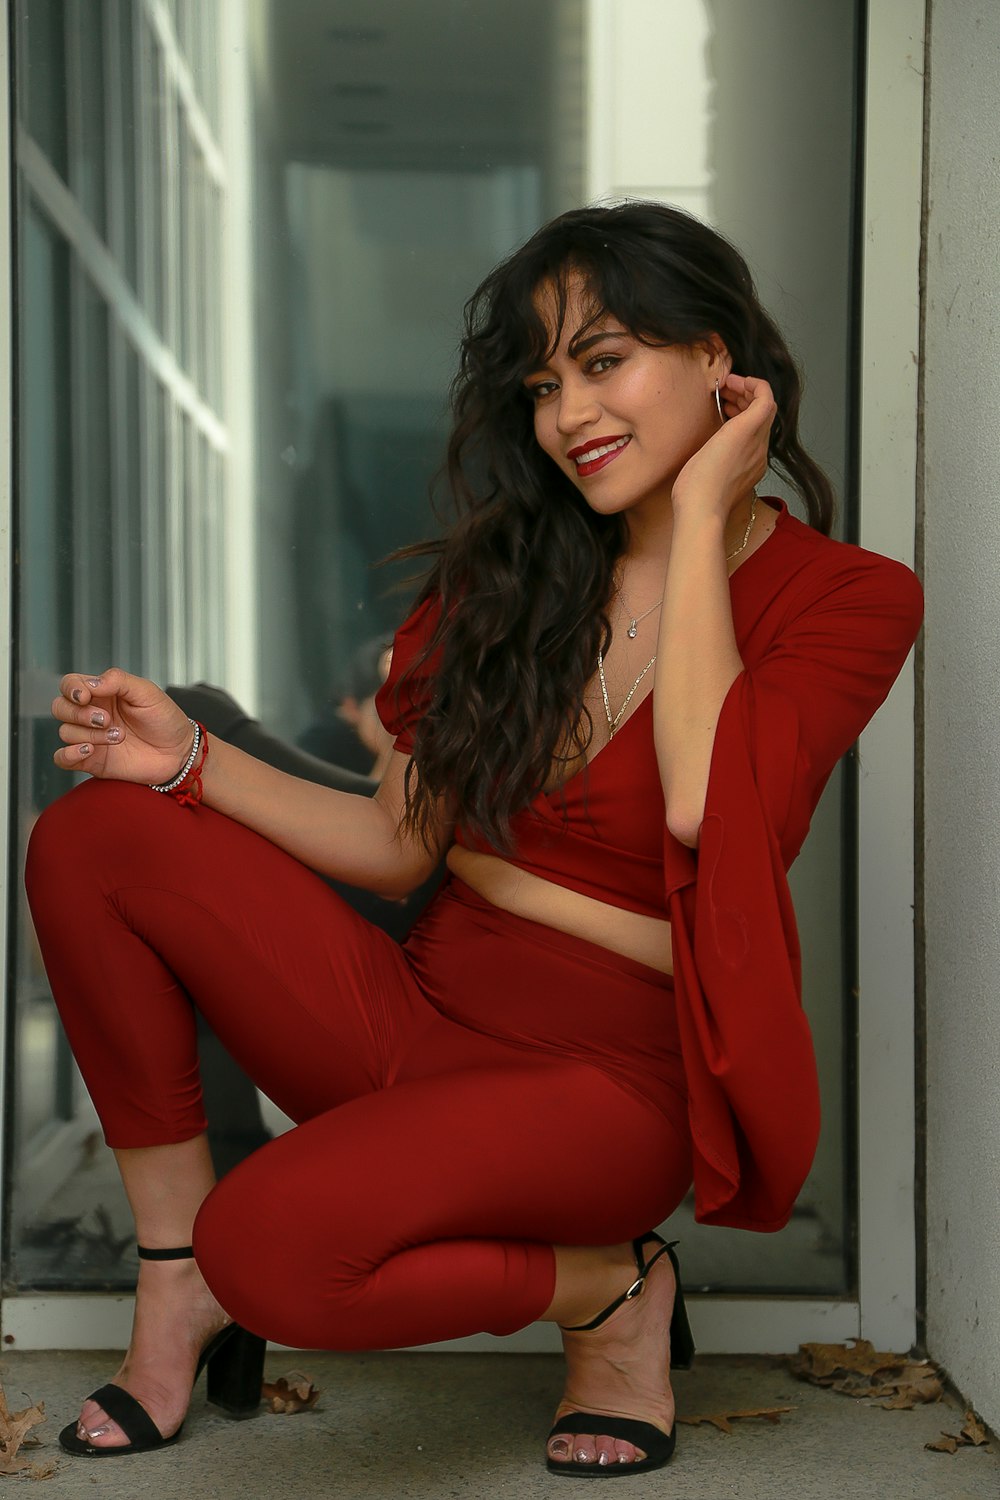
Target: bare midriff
pixel 644 939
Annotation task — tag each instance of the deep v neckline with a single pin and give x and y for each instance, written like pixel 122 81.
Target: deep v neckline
pixel 590 761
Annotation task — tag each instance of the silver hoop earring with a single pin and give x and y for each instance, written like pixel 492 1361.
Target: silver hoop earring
pixel 718 403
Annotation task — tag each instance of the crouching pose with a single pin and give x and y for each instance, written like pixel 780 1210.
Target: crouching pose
pixel 615 704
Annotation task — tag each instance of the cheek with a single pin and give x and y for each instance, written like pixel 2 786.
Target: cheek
pixel 545 430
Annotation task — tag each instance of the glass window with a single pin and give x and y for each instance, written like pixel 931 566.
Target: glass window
pixel 86 19
pixel 42 79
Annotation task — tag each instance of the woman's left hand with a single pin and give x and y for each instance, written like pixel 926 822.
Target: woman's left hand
pixel 734 459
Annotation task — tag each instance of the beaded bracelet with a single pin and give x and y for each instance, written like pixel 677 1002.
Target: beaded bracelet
pixel 188 795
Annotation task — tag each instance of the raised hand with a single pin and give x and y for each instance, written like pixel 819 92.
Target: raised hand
pixel 120 728
pixel 734 459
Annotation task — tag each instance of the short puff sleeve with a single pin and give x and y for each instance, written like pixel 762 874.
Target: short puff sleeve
pixel 403 698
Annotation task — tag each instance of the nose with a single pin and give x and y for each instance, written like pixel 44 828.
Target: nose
pixel 578 407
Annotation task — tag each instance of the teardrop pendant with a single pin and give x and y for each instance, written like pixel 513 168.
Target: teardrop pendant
pixel 633 629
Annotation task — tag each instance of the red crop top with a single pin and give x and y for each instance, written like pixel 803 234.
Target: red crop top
pixel 823 629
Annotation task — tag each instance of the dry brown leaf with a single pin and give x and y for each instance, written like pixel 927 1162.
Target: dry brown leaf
pixel 291 1393
pixel 14 1429
pixel 914 1385
pixel 896 1381
pixel 824 1364
pixel 721 1419
pixel 973 1432
pixel 946 1443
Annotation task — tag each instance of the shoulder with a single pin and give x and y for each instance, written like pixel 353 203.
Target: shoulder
pixel 809 570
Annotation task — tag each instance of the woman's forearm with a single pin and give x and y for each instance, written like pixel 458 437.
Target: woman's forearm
pixel 697 661
pixel 345 836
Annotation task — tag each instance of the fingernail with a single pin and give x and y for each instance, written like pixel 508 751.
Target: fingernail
pixel 560 1448
pixel 86 749
pixel 76 695
pixel 97 720
pixel 115 736
pixel 92 681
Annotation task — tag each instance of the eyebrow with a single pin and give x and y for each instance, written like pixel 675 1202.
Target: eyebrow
pixel 578 346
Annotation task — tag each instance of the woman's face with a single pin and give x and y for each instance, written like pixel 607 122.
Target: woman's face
pixel 619 418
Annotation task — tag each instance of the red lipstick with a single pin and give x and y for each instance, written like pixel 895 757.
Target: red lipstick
pixel 622 441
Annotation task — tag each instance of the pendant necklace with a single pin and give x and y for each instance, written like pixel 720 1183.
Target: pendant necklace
pixel 634 620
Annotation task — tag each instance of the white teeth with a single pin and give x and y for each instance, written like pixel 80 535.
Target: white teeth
pixel 596 453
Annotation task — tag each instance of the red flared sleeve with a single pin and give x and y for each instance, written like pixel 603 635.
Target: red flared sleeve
pixel 847 626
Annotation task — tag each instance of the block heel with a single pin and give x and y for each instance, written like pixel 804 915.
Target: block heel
pixel 234 1371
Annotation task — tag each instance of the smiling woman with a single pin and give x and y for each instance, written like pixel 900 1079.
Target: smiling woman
pixel 495 1027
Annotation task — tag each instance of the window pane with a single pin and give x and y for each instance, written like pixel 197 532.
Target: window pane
pixel 44 80
pixel 127 165
pixel 89 148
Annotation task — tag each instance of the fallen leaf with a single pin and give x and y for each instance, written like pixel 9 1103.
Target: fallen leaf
pixel 946 1443
pixel 895 1380
pixel 14 1429
pixel 291 1393
pixel 722 1419
pixel 824 1364
pixel 974 1433
pixel 914 1385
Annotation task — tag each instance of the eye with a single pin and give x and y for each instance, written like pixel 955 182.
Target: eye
pixel 600 364
pixel 539 390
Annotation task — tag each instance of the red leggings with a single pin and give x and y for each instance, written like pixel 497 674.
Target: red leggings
pixel 488 1090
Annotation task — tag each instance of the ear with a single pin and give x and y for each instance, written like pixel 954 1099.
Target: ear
pixel 719 360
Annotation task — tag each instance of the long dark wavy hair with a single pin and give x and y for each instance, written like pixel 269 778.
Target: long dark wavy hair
pixel 525 571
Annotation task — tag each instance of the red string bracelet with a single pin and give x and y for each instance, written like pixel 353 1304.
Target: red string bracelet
pixel 191 791
pixel 186 787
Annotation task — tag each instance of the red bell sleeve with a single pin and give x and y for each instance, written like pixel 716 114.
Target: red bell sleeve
pixel 819 662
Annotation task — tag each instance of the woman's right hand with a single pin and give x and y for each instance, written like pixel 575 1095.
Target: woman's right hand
pixel 120 728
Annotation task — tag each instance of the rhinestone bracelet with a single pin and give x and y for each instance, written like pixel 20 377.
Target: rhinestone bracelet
pixel 182 775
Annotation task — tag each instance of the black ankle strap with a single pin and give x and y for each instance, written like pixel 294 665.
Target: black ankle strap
pixel 179 1252
pixel 643 1266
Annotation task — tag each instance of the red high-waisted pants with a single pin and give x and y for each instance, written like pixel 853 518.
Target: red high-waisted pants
pixel 467 1101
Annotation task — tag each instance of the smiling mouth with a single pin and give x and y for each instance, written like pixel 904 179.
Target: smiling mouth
pixel 598 455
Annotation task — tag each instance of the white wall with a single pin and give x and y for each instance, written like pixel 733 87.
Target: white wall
pixel 962 718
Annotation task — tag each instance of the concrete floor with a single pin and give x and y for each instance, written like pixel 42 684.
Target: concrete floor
pixel 452 1426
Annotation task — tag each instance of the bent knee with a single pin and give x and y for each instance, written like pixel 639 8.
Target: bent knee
pixel 85 823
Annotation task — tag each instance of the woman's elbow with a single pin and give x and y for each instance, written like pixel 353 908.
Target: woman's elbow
pixel 684 823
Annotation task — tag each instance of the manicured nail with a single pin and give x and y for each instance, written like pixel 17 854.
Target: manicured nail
pixel 581 1455
pixel 85 749
pixel 97 720
pixel 560 1449
pixel 92 681
pixel 623 1460
pixel 115 736
pixel 97 1432
pixel 602 1458
pixel 76 695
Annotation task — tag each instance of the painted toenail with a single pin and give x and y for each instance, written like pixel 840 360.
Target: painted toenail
pixel 560 1449
pixel 602 1458
pixel 97 1432
pixel 582 1456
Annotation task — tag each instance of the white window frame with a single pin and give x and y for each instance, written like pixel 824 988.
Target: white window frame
pixel 885 1309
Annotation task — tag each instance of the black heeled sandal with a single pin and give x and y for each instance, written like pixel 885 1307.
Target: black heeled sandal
pixel 233 1359
pixel 658 1446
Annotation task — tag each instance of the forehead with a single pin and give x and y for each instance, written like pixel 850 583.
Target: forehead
pixel 569 309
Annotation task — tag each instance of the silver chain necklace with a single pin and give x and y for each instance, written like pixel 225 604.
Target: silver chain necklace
pixel 633 628
pixel 634 620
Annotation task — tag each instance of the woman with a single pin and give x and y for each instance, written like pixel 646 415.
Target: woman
pixel 615 706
